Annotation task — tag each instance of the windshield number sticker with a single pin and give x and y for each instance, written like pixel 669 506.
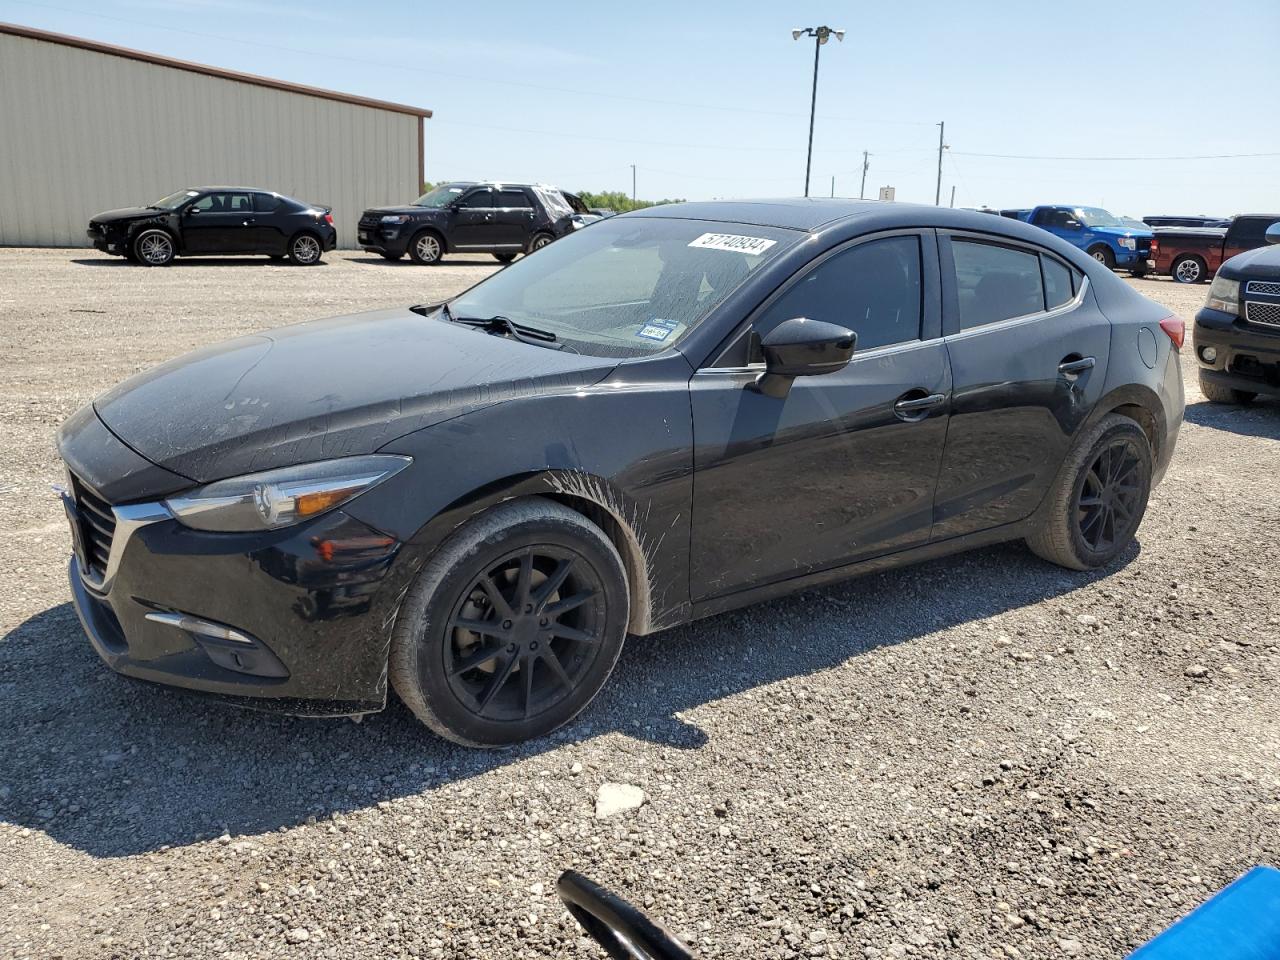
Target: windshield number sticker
pixel 733 243
pixel 658 329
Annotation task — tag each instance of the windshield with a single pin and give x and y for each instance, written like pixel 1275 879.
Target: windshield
pixel 441 195
pixel 628 286
pixel 1097 217
pixel 175 200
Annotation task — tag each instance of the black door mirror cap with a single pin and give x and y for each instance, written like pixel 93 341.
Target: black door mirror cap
pixel 801 347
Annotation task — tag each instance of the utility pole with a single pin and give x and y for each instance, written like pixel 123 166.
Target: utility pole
pixel 937 197
pixel 833 186
pixel 633 183
pixel 953 195
pixel 820 36
pixel 862 190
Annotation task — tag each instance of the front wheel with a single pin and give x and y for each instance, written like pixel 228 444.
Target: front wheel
pixel 1104 256
pixel 305 250
pixel 154 248
pixel 426 248
pixel 1188 270
pixel 1098 498
pixel 1217 393
pixel 513 627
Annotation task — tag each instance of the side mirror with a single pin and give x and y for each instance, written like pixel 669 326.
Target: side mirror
pixel 802 348
pixel 191 211
pixel 623 931
pixel 1273 233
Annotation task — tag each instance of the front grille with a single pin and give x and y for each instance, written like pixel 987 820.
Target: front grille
pixel 1263 286
pixel 97 527
pixel 369 224
pixel 1265 313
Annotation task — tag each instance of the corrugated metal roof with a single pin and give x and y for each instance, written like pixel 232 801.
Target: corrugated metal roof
pixel 112 50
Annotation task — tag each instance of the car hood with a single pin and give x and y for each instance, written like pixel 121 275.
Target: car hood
pixel 329 388
pixel 1120 231
pixel 411 210
pixel 1262 263
pixel 126 213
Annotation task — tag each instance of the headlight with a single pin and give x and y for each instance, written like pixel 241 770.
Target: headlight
pixel 277 498
pixel 1129 243
pixel 1224 295
pixel 395 218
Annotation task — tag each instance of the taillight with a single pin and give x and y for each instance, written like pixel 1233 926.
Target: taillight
pixel 1176 329
pixel 1155 245
pixel 328 218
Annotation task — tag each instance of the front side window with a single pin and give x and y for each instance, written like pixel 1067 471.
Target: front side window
pixel 626 287
pixel 480 198
pixel 873 289
pixel 224 203
pixel 995 283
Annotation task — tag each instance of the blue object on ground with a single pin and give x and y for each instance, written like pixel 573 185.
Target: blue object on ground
pixel 1241 922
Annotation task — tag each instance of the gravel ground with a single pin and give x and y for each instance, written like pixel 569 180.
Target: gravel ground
pixel 983 756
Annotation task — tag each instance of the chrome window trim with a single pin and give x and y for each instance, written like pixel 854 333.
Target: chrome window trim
pixel 891 348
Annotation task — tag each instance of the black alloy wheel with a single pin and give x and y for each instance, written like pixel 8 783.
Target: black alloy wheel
pixel 524 632
pixel 513 626
pixel 1111 496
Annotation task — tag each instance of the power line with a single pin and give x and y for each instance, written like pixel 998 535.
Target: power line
pixel 1205 156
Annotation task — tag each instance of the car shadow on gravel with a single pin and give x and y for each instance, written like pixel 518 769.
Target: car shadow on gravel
pixel 407 261
pixel 258 261
pixel 1258 419
pixel 116 767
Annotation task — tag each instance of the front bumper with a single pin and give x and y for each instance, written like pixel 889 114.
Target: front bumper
pixel 375 238
pixel 1248 355
pixel 310 610
pixel 106 243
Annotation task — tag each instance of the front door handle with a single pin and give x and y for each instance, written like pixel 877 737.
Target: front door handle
pixel 1073 368
pixel 917 404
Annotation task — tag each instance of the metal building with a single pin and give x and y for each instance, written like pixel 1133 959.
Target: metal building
pixel 87 126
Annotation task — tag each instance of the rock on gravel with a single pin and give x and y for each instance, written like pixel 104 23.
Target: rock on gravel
pixel 615 798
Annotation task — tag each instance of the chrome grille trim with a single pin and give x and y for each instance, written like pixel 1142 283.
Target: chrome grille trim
pixel 1263 313
pixel 1263 286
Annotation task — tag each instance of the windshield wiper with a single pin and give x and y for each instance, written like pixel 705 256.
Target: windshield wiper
pixel 505 325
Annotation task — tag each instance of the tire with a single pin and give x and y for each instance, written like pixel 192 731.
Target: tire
pixel 391 256
pixel 1089 515
pixel 488 700
pixel 426 247
pixel 1104 256
pixel 154 248
pixel 305 249
pixel 1139 272
pixel 1188 269
pixel 538 241
pixel 1217 393
pixel 504 257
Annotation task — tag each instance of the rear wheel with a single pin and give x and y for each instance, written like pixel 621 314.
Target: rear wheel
pixel 154 248
pixel 1098 499
pixel 426 247
pixel 513 627
pixel 1188 270
pixel 539 241
pixel 1217 393
pixel 1103 255
pixel 305 249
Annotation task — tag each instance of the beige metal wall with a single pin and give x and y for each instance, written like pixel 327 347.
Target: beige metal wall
pixel 82 132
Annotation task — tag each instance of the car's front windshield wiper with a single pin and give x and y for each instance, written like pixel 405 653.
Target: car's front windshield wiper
pixel 500 324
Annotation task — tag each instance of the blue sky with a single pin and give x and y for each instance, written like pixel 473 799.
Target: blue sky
pixel 710 98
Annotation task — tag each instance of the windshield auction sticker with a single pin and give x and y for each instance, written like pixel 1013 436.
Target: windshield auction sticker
pixel 733 243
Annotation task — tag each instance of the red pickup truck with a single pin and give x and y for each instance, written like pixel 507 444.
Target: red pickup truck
pixel 1193 254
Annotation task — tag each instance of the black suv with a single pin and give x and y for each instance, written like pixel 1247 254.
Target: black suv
pixel 204 221
pixel 1237 331
pixel 499 218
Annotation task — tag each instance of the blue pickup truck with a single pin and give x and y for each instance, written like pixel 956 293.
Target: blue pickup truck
pixel 1098 233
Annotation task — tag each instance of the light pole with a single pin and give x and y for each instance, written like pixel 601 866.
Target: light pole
pixel 820 36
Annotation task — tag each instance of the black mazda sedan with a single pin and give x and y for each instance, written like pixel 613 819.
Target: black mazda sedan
pixel 673 413
pixel 208 221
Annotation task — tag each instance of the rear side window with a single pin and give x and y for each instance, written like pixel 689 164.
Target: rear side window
pixel 513 198
pixel 1057 282
pixel 995 283
pixel 873 289
pixel 266 203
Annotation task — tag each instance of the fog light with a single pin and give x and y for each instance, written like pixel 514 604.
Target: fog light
pixel 1209 354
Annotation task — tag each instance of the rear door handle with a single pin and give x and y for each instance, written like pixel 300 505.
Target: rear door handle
pixel 247 223
pixel 912 406
pixel 1073 368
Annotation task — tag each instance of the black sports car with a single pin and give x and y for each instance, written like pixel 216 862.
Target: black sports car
pixel 672 413
pixel 216 220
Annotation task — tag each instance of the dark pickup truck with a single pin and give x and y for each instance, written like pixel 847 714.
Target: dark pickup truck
pixel 1237 333
pixel 1193 254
